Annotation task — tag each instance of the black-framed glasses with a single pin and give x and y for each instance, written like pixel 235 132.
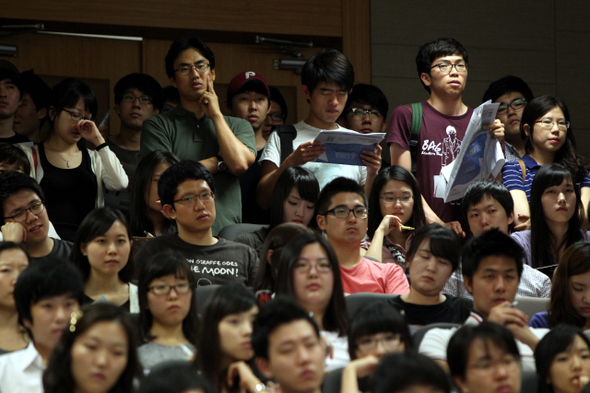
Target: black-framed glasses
pixel 548 124
pixel 276 116
pixel 445 68
pixel 190 200
pixel 360 112
pixel 406 198
pixel 388 340
pixel 186 69
pixel 143 100
pixel 517 104
pixel 21 214
pixel 305 267
pixel 76 116
pixel 165 289
pixel 343 212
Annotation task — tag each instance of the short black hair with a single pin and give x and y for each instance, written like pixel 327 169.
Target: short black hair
pixel 431 51
pixel 444 243
pixel 276 96
pixel 174 376
pixel 377 317
pixel 142 82
pixel 13 155
pixel 400 371
pixel 487 187
pixel 177 174
pixel 39 91
pixel 367 95
pixel 489 333
pixel 329 66
pixel 279 311
pixel 337 186
pixel 508 84
pixel 7 245
pixel 490 243
pixel 182 44
pixel 48 277
pixel 12 182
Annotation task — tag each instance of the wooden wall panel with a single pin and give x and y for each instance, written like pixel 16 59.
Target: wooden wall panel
pixel 356 37
pixel 307 17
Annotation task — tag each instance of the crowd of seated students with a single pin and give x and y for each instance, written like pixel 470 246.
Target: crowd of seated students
pixel 100 276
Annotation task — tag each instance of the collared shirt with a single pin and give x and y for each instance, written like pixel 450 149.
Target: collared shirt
pixel 22 371
pixel 533 283
pixel 435 342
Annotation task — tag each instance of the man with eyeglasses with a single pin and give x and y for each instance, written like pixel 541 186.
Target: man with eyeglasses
pixel 137 97
pixel 365 110
pixel 197 130
pixel 513 94
pixel 343 217
pixel 24 217
pixel 443 69
pixel 188 195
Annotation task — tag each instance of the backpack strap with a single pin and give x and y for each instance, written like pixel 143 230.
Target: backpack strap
pixel 287 135
pixel 415 132
pixel 523 169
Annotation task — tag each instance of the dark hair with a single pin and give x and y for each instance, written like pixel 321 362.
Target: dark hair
pixel 337 186
pixel 328 66
pixel 394 172
pixel 12 182
pixel 491 188
pixel 95 224
pixel 276 313
pixel 58 377
pixel 399 371
pixel 170 93
pixel 142 82
pixel 226 300
pixel 431 51
pixel 276 240
pixel 68 92
pixel 13 155
pixel 490 243
pixel 508 84
pixel 162 264
pixel 7 245
pixel 39 91
pixel 544 246
pixel 276 96
pixel 367 95
pixel 335 317
pixel 182 44
pixel 48 277
pixel 444 243
pixel 566 155
pixel 177 376
pixel 489 333
pixel 179 173
pixel 574 261
pixel 557 340
pixel 294 177
pixel 377 317
pixel 139 220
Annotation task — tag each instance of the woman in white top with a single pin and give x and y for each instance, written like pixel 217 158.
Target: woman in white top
pixel 71 175
pixel 101 252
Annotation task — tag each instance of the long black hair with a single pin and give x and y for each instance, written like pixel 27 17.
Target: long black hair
pixel 394 172
pixel 58 377
pixel 566 155
pixel 544 246
pixel 294 177
pixel 140 223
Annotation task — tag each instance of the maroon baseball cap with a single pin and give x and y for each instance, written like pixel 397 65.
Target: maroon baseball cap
pixel 245 78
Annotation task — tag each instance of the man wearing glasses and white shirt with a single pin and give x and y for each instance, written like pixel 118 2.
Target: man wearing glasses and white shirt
pixel 197 130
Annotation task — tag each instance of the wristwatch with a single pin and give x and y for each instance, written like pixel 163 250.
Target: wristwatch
pixel 221 165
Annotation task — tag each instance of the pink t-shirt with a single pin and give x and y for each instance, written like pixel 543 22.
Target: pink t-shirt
pixel 375 277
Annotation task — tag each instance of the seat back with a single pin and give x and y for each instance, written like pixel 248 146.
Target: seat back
pixel 232 231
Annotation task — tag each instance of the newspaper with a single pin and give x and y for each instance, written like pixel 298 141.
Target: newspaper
pixel 479 156
pixel 345 147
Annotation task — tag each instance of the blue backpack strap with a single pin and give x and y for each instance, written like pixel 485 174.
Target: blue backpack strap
pixel 287 135
pixel 415 132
